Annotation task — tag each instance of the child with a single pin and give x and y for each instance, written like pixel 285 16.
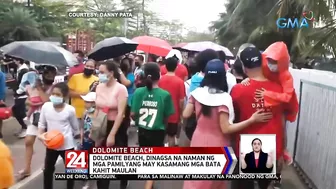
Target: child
pixel 85 130
pixel 175 86
pixel 29 82
pixel 57 115
pixel 152 127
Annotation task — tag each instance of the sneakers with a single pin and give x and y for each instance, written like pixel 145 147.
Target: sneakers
pixel 22 133
pixel 166 144
pixel 124 184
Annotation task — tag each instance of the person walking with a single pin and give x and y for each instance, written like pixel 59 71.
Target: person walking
pixel 3 88
pixel 57 115
pixel 127 78
pixel 151 106
pixel 19 108
pixel 112 99
pixel 175 86
pixel 79 84
pixel 246 103
pixel 44 90
pixel 215 115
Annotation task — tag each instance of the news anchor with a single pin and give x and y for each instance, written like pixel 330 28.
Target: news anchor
pixel 257 161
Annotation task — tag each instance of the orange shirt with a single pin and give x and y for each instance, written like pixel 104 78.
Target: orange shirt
pixel 6 164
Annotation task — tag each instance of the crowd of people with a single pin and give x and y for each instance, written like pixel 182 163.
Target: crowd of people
pixel 212 101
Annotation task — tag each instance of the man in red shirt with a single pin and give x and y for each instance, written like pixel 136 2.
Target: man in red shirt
pixel 79 68
pixel 180 71
pixel 175 86
pixel 246 103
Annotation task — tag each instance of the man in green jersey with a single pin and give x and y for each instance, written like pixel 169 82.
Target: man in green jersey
pixel 151 107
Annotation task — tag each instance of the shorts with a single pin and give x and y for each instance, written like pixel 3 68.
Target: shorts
pixel 172 129
pixel 151 138
pixel 31 130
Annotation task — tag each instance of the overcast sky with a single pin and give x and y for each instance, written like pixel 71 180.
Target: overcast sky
pixel 195 14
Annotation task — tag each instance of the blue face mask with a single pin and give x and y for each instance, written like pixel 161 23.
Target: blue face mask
pixel 56 100
pixel 103 78
pixel 90 110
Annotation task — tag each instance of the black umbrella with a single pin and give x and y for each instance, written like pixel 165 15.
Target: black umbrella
pixel 40 52
pixel 111 48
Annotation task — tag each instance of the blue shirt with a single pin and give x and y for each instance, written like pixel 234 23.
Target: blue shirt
pixel 2 86
pixel 130 88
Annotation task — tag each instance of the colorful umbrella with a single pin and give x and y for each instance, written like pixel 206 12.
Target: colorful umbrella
pixel 152 45
pixel 203 45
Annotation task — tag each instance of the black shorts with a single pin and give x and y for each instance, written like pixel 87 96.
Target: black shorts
pixel 172 129
pixel 151 138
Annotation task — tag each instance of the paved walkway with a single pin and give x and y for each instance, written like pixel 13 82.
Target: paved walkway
pixel 290 178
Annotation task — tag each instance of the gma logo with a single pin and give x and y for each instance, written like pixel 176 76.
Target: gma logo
pixel 292 23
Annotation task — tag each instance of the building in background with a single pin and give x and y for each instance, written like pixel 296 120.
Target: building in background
pixel 81 40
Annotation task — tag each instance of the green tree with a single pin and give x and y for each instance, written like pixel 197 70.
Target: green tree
pixel 19 24
pixel 255 21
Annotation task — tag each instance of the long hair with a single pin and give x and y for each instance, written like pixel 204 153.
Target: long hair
pixel 217 84
pixel 152 74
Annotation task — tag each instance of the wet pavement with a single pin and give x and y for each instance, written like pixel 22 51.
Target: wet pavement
pixel 289 177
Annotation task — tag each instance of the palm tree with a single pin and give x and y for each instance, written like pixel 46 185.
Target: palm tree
pixel 19 24
pixel 251 20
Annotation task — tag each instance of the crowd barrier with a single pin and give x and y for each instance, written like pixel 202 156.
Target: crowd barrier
pixel 312 137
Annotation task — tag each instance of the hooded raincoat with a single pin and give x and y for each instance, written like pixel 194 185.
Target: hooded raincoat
pixel 278 52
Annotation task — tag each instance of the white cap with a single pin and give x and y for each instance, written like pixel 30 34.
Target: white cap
pixel 175 52
pixel 90 97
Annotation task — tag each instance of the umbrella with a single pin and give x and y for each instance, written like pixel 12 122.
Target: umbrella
pixel 40 52
pixel 203 45
pixel 111 48
pixel 153 45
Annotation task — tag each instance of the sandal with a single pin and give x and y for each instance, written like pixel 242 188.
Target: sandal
pixel 23 174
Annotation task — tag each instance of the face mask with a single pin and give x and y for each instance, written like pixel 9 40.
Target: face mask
pixel 56 100
pixel 273 67
pixel 88 72
pixel 103 78
pixel 90 110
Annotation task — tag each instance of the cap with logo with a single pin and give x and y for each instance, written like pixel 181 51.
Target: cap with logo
pixel 251 57
pixel 214 66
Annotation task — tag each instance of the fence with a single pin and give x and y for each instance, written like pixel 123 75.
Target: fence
pixel 312 139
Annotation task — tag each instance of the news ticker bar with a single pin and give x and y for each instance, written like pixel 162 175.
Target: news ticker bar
pixel 262 176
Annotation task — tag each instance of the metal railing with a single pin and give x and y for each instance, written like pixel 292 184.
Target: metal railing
pixel 312 138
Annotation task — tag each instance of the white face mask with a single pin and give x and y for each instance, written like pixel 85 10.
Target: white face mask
pixel 273 67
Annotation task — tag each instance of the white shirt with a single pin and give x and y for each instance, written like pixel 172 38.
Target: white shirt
pixel 231 81
pixel 23 66
pixel 64 121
